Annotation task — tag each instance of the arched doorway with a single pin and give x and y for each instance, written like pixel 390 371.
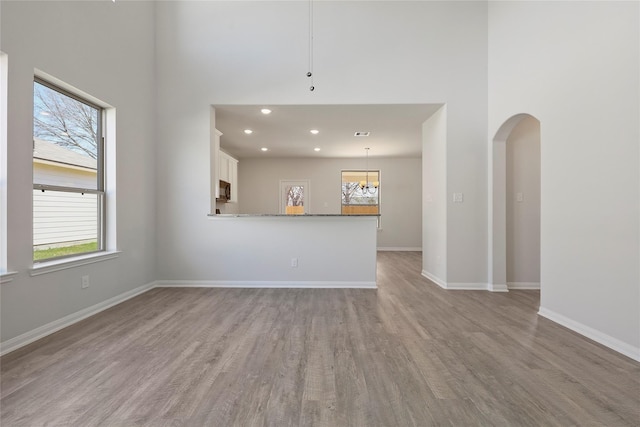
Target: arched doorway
pixel 515 205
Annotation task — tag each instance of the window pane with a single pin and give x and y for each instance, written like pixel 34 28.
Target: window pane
pixel 360 192
pixel 65 138
pixel 64 223
pixel 294 199
pixel 67 174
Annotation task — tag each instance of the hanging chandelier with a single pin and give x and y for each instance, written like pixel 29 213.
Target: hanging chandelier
pixel 366 186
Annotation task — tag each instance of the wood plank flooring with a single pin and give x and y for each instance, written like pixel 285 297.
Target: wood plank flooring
pixel 408 354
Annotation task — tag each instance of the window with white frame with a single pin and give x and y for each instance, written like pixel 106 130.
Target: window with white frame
pixel 360 192
pixel 68 174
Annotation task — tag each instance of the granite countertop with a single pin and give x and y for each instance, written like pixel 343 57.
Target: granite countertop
pixel 284 215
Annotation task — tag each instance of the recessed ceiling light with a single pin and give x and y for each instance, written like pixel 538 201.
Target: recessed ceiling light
pixel 264 149
pixel 265 111
pixel 361 133
pixel 314 131
pixel 316 149
pixel 248 131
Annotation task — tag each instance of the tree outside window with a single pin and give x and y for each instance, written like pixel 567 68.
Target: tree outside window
pixel 68 179
pixel 360 196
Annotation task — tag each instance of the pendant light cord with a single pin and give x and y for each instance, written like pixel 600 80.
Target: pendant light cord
pixel 367 171
pixel 310 72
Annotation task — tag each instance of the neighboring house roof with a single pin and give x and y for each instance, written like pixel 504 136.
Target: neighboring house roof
pixel 46 150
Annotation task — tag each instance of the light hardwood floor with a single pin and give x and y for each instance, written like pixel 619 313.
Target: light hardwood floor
pixel 407 354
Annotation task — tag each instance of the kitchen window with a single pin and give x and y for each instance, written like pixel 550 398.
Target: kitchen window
pixel 361 192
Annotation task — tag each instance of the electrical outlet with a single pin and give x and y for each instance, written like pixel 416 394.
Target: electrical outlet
pixel 519 197
pixel 458 197
pixel 294 262
pixel 85 282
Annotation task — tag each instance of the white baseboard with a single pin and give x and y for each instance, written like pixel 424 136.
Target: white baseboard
pixel 523 285
pixel 41 332
pixel 399 248
pixel 465 286
pixel 593 334
pixel 435 279
pixel 468 286
pixel 263 284
pixel 497 287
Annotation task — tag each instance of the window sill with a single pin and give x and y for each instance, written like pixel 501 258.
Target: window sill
pixel 7 276
pixel 63 264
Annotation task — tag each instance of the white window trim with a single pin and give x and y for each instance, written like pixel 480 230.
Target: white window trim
pixel 8 276
pixel 109 170
pixel 72 262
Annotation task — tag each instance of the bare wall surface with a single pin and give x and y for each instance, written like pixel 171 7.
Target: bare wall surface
pixel 434 196
pixel 400 191
pixel 107 51
pixel 365 53
pixel 328 252
pixel 557 61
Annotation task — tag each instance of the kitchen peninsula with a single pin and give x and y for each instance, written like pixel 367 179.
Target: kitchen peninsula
pixel 296 251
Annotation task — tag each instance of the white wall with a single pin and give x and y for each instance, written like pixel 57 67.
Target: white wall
pixel 331 252
pixel 575 66
pixel 106 50
pixel 523 215
pixel 434 197
pixel 365 53
pixel 400 194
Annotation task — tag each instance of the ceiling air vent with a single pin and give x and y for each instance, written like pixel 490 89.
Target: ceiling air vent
pixel 361 134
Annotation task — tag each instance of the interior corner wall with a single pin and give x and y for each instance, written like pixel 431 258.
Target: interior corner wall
pixel 255 53
pixel 434 197
pixel 104 49
pixel 556 61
